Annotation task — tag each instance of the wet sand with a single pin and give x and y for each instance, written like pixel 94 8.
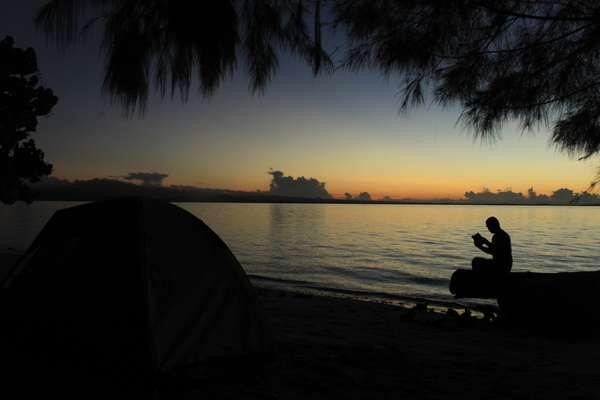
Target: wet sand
pixel 348 349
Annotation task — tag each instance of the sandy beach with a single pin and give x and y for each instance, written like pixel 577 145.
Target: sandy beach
pixel 330 347
pixel 340 348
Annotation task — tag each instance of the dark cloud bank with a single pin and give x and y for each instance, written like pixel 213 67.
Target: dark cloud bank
pixel 282 189
pixel 559 196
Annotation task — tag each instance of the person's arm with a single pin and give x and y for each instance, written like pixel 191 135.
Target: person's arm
pixel 486 242
pixel 485 245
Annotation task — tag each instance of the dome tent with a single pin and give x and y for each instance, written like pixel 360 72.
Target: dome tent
pixel 133 287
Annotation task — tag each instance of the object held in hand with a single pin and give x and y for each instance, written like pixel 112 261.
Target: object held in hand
pixel 477 238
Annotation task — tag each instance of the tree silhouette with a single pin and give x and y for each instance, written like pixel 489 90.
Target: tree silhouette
pixel 22 101
pixel 533 61
pixel 563 195
pixel 364 196
pixel 171 42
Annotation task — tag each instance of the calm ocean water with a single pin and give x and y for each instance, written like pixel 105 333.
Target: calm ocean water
pixel 390 250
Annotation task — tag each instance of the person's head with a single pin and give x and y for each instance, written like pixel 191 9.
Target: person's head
pixel 492 224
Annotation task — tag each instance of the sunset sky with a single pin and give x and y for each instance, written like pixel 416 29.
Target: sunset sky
pixel 343 129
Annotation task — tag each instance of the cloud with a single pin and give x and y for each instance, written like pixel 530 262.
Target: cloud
pixel 146 178
pixel 297 187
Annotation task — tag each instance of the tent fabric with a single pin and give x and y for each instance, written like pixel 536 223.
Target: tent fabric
pixel 134 285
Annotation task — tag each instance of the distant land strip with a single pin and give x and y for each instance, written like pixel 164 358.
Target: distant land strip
pixel 101 189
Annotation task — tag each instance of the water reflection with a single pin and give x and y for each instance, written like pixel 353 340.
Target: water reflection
pixel 297 239
pixel 396 249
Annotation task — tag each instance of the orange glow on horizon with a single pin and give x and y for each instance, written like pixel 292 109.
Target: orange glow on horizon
pixel 416 190
pixel 397 189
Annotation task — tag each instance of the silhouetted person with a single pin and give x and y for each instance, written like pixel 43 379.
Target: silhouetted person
pixel 499 248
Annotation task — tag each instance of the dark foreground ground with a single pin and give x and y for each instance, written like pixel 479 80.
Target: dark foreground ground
pixel 339 348
pixel 329 348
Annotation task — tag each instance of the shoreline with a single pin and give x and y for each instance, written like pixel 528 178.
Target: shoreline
pixel 7 259
pixel 398 300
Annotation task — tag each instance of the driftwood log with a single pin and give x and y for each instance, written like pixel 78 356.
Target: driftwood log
pixel 468 283
pixel 559 299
